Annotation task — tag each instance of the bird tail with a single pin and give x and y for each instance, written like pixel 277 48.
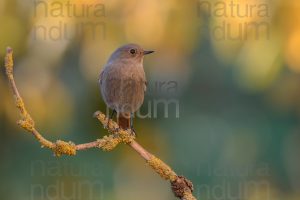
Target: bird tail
pixel 124 121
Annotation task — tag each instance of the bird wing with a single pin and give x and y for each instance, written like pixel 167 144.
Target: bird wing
pixel 110 84
pixel 100 77
pixel 145 86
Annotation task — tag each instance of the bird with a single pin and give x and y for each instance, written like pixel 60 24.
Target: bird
pixel 123 83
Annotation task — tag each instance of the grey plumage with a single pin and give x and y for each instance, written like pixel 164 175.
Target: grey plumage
pixel 122 81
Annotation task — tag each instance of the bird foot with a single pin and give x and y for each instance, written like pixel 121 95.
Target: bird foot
pixel 115 130
pixel 106 126
pixel 132 132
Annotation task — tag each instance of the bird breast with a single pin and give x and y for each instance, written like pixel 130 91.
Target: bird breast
pixel 123 86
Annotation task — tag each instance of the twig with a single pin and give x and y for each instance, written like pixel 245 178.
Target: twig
pixel 182 187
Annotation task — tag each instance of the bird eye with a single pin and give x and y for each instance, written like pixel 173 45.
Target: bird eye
pixel 132 51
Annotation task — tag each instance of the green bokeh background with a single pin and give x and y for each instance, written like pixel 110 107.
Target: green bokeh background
pixel 237 135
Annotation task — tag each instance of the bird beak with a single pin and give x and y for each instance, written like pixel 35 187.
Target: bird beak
pixel 148 52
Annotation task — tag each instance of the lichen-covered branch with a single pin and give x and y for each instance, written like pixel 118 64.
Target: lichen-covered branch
pixel 59 147
pixel 181 187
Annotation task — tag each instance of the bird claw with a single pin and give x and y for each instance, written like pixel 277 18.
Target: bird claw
pixel 132 132
pixel 106 126
pixel 115 130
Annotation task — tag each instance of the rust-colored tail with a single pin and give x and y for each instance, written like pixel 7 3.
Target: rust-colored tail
pixel 124 122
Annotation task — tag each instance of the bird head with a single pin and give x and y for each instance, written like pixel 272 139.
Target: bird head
pixel 130 52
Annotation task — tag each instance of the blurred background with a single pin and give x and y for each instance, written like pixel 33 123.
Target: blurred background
pixel 222 105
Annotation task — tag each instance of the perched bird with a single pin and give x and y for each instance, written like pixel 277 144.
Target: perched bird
pixel 122 83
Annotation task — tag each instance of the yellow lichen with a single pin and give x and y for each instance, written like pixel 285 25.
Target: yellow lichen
pixel 112 125
pixel 108 143
pixel 9 62
pixel 126 136
pixel 162 169
pixel 27 123
pixel 19 103
pixel 10 76
pixel 119 135
pixel 62 147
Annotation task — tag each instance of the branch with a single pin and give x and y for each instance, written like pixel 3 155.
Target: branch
pixel 182 187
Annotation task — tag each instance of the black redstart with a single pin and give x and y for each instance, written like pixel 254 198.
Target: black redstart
pixel 123 83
